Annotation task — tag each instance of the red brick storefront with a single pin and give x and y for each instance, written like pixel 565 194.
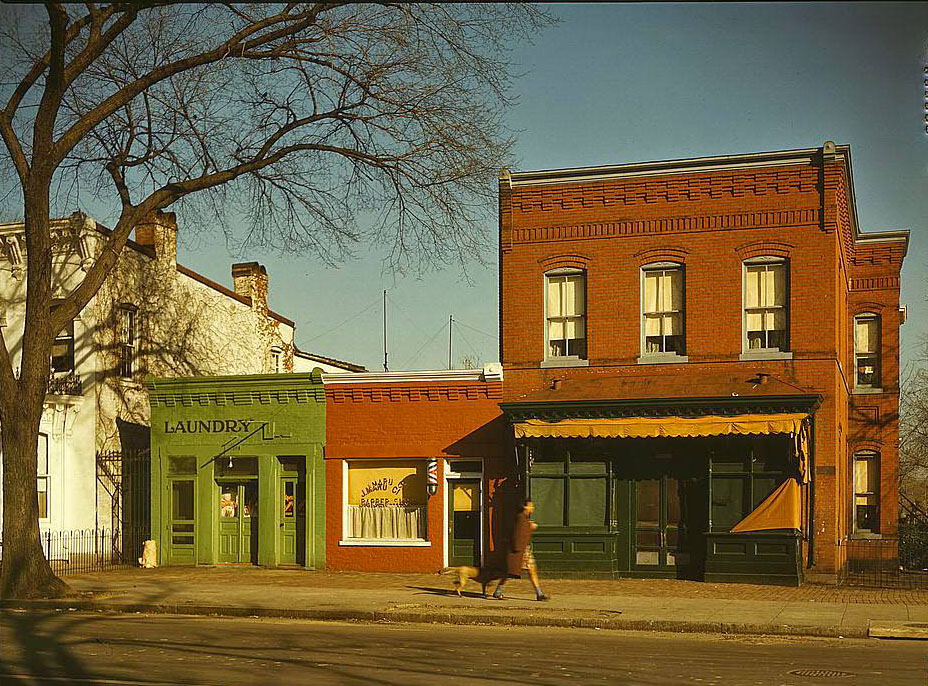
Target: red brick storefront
pixel 713 224
pixel 382 430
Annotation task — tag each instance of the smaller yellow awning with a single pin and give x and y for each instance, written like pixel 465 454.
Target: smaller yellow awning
pixel 654 427
pixel 780 510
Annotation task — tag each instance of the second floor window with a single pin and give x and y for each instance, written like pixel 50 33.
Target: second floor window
pixel 63 350
pixel 566 315
pixel 662 310
pixel 277 357
pixel 127 341
pixel 867 350
pixel 766 306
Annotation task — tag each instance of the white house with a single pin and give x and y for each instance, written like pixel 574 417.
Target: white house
pixel 151 316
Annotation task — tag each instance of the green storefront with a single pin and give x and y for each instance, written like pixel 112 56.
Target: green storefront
pixel 237 470
pixel 660 497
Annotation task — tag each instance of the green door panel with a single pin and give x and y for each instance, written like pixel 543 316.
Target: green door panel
pixel 464 522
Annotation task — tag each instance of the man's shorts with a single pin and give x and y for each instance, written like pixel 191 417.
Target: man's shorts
pixel 528 561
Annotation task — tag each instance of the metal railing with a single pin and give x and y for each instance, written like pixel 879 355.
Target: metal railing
pixel 886 562
pixel 68 384
pixel 92 550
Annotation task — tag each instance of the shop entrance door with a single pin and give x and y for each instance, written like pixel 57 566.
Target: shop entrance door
pixel 293 519
pixel 238 525
pixel 668 508
pixel 464 522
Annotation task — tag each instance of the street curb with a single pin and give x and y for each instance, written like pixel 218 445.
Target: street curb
pixel 432 617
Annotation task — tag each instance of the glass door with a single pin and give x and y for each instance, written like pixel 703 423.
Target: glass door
pixel 464 522
pixel 238 526
pixel 658 522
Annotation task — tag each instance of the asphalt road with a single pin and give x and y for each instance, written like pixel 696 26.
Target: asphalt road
pixel 78 649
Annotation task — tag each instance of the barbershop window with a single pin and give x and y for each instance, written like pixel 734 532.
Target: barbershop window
pixel 386 501
pixel 867 350
pixel 42 473
pixel 867 492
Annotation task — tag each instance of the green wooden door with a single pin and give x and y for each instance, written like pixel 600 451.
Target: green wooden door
pixel 464 518
pixel 182 534
pixel 238 526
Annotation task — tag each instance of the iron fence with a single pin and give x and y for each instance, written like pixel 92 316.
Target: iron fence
pixel 887 562
pixel 92 550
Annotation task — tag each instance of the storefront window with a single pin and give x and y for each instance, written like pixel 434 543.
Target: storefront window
pixel 570 489
pixel 745 471
pixel 386 501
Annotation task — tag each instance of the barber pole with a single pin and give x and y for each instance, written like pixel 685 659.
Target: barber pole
pixel 433 476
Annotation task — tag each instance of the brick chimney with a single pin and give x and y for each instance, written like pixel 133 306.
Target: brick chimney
pixel 250 279
pixel 159 231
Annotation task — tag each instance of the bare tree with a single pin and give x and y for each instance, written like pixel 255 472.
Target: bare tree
pixel 297 117
pixel 913 432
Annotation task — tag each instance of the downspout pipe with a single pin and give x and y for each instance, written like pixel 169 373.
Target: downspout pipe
pixel 810 561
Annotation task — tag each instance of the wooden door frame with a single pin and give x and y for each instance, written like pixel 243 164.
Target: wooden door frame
pixel 450 476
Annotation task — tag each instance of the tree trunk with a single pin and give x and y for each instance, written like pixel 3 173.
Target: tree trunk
pixel 24 571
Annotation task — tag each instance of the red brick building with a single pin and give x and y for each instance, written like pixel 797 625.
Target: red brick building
pixel 696 344
pixel 384 433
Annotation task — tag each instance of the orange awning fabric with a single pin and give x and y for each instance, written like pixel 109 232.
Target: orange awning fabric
pixel 780 510
pixel 655 427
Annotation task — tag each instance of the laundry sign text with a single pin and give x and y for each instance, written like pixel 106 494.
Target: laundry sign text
pixel 210 426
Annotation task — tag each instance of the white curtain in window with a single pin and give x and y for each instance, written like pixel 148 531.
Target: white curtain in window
pixel 866 335
pixel 387 522
pixel 554 298
pixel 765 286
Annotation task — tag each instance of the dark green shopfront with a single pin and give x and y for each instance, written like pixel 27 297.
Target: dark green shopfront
pixel 237 470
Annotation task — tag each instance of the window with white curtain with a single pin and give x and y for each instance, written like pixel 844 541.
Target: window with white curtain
pixel 386 500
pixel 662 310
pixel 565 314
pixel 766 305
pixel 867 492
pixel 867 350
pixel 42 474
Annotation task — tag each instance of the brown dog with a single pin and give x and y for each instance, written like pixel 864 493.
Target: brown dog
pixel 463 574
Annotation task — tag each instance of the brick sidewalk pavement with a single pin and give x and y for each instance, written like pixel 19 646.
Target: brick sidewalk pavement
pixel 655 588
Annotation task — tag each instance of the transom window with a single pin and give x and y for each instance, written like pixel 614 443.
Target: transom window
pixel 127 340
pixel 867 492
pixel 566 315
pixel 867 350
pixel 766 305
pixel 662 310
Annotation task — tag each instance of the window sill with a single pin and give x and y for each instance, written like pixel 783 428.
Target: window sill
pixel 663 358
pixel 387 542
pixel 864 536
pixel 565 362
pixel 867 390
pixel 765 355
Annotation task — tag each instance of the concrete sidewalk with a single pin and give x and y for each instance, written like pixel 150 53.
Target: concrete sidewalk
pixel 657 605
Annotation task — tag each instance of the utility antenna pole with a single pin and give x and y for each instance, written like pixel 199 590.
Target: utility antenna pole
pixel 450 331
pixel 385 367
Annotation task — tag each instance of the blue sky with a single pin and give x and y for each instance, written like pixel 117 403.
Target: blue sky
pixel 625 83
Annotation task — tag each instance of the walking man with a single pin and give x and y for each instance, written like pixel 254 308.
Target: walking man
pixel 520 556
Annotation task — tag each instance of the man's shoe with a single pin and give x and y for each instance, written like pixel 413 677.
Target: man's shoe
pixel 542 596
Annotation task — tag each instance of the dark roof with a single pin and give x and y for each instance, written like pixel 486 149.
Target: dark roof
pixel 698 391
pixel 350 366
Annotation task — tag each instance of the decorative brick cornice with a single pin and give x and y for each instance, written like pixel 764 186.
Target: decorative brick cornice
pixel 670 189
pixel 394 394
pixel 875 283
pixel 878 253
pixel 745 220
pixel 222 398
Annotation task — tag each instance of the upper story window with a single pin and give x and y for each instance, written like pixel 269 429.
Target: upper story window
pixel 766 305
pixel 867 492
pixel 565 315
pixel 63 350
pixel 662 310
pixel 42 475
pixel 277 360
pixel 127 340
pixel 867 350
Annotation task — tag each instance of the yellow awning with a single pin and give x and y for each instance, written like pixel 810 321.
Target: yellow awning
pixel 780 510
pixel 654 427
